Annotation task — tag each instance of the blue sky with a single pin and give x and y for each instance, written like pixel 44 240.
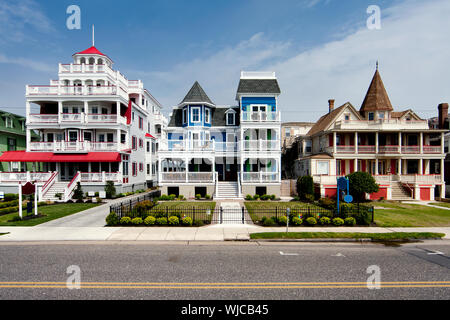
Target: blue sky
pixel 320 49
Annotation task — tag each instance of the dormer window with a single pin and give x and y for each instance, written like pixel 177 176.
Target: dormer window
pixel 230 117
pixel 195 116
pixel 371 116
pixel 9 122
pixel 381 115
pixel 185 114
pixel 207 115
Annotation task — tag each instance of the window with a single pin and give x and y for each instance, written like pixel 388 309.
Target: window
pixel 73 136
pixel 381 115
pixel 94 110
pixel 230 119
pixel 141 166
pixel 87 136
pixel 125 165
pixel 347 117
pixel 12 144
pixel 148 146
pixel 123 138
pixel 134 143
pixel 134 169
pixel 308 146
pixel 323 167
pixel 75 110
pixel 141 123
pixel 141 143
pixel 207 115
pixel 287 132
pixel 196 114
pixel 101 138
pixel 371 116
pixel 148 169
pixel 185 116
pixel 50 137
pixel 110 137
pixel 65 110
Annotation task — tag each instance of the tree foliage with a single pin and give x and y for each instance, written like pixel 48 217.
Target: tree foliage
pixel 305 186
pixel 362 183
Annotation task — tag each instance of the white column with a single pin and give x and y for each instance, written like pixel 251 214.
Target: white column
pixel 421 143
pixel 376 167
pixel 400 142
pixel 84 116
pixel 420 166
pixel 28 146
pixel 20 200
pixel 376 143
pixel 119 141
pixel 442 143
pixel 400 167
pixel 118 111
pixel 443 172
pixel 60 110
pixel 36 201
pixel 356 165
pixel 356 143
pixel 334 142
pixel 28 109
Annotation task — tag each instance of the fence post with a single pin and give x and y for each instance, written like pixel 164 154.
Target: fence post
pixel 276 214
pixel 373 214
pixel 167 213
pixel 221 215
pixel 243 215
pixel 131 207
pixel 193 213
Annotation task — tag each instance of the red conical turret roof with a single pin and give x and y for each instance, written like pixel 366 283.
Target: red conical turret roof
pixel 92 50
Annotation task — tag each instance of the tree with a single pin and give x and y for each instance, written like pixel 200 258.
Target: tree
pixel 110 190
pixel 78 192
pixel 362 183
pixel 305 186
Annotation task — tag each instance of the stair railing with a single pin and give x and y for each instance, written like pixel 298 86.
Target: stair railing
pixel 217 184
pixel 239 185
pixel 68 191
pixel 50 182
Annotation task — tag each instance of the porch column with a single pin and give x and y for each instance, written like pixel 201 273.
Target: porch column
pixel 84 115
pixel 400 143
pixel 421 143
pixel 119 140
pixel 334 142
pixel 187 169
pixel 399 167
pixel 376 167
pixel 420 166
pixel 356 144
pixel 443 173
pixel 356 165
pixel 28 109
pixel 376 144
pixel 442 143
pixel 118 111
pixel 28 145
pixel 159 171
pixel 60 110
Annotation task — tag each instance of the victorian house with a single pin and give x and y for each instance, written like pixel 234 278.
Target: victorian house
pixel 94 126
pixel 398 148
pixel 225 151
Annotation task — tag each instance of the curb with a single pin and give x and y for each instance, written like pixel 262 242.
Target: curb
pixel 343 240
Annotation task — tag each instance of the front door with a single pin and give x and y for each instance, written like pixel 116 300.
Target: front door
pixel 231 172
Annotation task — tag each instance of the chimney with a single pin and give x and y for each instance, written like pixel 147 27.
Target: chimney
pixel 331 105
pixel 443 115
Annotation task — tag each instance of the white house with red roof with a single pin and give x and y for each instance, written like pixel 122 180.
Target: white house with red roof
pixel 399 149
pixel 95 126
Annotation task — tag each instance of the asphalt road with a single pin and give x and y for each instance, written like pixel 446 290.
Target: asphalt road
pixel 227 271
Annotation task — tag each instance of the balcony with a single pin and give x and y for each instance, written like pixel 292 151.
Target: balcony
pixel 100 177
pixel 77 146
pixel 261 145
pixel 188 177
pixel 16 177
pixel 78 118
pixel 260 177
pixel 260 116
pixel 54 91
pixel 386 124
pixel 387 179
pixel 405 150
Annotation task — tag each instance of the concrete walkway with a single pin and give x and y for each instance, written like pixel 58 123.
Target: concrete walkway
pixel 209 233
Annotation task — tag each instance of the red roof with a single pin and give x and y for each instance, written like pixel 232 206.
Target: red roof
pixel 148 135
pixel 91 50
pixel 22 156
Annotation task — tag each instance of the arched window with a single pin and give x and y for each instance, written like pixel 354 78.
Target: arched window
pixel 100 61
pixel 91 61
pixel 82 61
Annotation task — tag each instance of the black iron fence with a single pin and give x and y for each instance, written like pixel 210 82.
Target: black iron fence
pixel 125 208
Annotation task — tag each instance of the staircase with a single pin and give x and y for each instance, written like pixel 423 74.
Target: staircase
pixel 228 190
pixel 57 187
pixel 399 192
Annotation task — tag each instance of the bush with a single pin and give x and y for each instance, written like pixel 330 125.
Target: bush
pixel 12 203
pixel 110 189
pixel 207 197
pixel 78 193
pixel 296 221
pixel 198 196
pixel 248 197
pixel 305 186
pixel 324 221
pixel 150 221
pixel 181 198
pixel 269 222
pixel 143 206
pixel 311 221
pixel 137 221
pixel 187 221
pixel 309 198
pixel 172 197
pixel 273 197
pixel 125 221
pixel 327 203
pixel 338 222
pixel 199 223
pixel 282 221
pixel 42 204
pixel 10 197
pixel 256 197
pixel 112 219
pixel 161 221
pixel 9 210
pixel 174 221
pixel 350 221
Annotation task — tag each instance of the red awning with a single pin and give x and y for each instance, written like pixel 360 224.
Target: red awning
pixel 22 156
pixel 148 135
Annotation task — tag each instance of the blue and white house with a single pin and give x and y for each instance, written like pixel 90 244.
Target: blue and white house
pixel 225 151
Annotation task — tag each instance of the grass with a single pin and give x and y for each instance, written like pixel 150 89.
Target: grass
pixel 182 205
pixel 2 234
pixel 274 204
pixel 441 204
pixel 348 235
pixel 49 213
pixel 410 215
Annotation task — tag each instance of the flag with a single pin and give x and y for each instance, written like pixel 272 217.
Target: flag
pixel 128 113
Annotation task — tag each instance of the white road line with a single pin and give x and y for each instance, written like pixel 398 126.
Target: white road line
pixel 288 254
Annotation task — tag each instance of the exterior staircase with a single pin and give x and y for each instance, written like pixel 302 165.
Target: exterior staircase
pixel 399 192
pixel 57 187
pixel 228 190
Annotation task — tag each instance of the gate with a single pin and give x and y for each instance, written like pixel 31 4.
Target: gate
pixel 224 215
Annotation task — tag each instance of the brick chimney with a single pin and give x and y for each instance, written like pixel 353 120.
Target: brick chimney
pixel 330 105
pixel 443 115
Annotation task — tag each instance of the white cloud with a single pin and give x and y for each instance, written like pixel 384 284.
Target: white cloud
pixel 17 17
pixel 27 63
pixel 412 48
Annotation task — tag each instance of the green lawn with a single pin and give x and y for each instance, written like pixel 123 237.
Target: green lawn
pixel 410 215
pixel 250 205
pixel 185 205
pixel 51 212
pixel 440 204
pixel 348 235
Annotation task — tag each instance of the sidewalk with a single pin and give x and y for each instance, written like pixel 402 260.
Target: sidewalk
pixel 209 233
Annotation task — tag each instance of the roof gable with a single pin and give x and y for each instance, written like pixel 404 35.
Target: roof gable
pixel 327 120
pixel 92 50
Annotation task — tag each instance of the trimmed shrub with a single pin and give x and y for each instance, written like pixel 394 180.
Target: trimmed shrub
pixel 327 203
pixel 161 221
pixel 125 221
pixel 172 197
pixel 181 198
pixel 273 197
pixel 137 221
pixel 10 197
pixel 265 197
pixel 78 193
pixel 311 221
pixel 305 186
pixel 9 210
pixel 309 198
pixel 268 222
pixel 150 221
pixel 110 189
pixel 324 221
pixel 174 221
pixel 12 203
pixel 207 197
pixel 143 206
pixel 187 221
pixel 248 197
pixel 198 196
pixel 199 223
pixel 338 222
pixel 362 183
pixel 256 197
pixel 282 221
pixel 296 221
pixel 350 221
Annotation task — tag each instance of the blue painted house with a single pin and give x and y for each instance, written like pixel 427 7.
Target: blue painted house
pixel 225 151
